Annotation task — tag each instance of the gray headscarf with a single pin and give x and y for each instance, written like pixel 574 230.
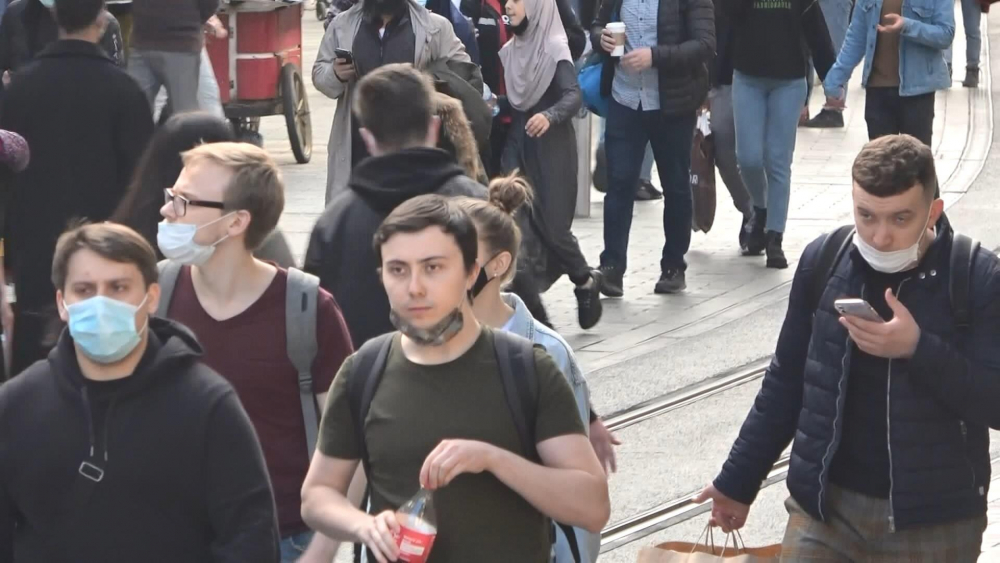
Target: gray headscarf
pixel 530 59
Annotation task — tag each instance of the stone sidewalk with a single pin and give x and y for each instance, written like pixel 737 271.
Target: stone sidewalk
pixel 722 285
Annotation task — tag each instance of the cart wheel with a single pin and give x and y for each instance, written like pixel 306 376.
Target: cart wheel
pixel 296 106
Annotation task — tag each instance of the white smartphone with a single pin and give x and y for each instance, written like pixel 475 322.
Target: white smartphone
pixel 857 308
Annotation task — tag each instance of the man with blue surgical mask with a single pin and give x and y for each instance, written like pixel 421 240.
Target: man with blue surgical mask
pixel 124 429
pixel 227 200
pixel 889 403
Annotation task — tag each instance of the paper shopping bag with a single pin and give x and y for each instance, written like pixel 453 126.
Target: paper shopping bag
pixel 698 552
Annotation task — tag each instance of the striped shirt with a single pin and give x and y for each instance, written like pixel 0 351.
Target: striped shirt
pixel 631 89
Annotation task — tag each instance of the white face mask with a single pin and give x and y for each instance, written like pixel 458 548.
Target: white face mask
pixel 894 261
pixel 48 3
pixel 176 242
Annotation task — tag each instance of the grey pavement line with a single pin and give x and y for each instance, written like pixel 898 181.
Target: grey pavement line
pixel 972 159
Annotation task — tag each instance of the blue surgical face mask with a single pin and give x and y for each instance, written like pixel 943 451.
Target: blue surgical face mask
pixel 176 242
pixel 421 3
pixel 104 328
pixel 48 3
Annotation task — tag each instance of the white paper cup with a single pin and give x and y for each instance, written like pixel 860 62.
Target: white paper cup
pixel 617 30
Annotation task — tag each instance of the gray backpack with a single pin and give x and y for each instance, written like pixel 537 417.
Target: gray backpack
pixel 300 330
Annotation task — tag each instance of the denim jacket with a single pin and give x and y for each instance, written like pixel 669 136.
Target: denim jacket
pixel 523 324
pixel 928 30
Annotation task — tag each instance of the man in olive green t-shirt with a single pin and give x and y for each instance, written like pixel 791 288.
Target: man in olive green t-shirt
pixel 439 418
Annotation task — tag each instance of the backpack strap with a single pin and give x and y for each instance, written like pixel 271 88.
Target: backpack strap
pixel 516 359
pixel 301 293
pixel 963 255
pixel 831 250
pixel 169 271
pixel 366 372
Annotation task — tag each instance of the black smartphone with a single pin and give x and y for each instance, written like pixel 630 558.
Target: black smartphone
pixel 344 54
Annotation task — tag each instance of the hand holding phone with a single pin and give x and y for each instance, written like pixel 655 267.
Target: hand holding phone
pixel 857 308
pixel 343 65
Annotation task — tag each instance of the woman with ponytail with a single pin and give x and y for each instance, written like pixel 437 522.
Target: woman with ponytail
pixel 543 95
pixel 499 242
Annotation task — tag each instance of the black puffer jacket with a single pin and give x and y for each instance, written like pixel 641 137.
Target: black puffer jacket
pixel 941 403
pixel 685 47
pixel 28 28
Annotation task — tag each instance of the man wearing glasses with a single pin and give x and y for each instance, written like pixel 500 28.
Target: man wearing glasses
pixel 227 200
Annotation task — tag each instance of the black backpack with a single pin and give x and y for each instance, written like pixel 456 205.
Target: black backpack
pixel 963 255
pixel 516 360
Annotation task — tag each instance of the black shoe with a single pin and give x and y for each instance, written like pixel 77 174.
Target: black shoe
pixel 743 230
pixel 600 178
pixel 971 78
pixel 775 255
pixel 647 192
pixel 827 119
pixel 588 300
pixel 612 280
pixel 671 281
pixel 756 241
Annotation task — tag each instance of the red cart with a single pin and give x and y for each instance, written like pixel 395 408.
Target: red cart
pixel 258 68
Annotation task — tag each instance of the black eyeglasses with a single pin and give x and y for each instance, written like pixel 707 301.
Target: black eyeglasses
pixel 181 203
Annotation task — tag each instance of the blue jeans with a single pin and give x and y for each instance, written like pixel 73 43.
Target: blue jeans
pixel 971 17
pixel 292 547
pixel 629 131
pixel 837 14
pixel 646 173
pixel 767 115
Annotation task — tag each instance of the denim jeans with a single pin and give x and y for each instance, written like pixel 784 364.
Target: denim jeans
pixel 628 133
pixel 837 14
pixel 646 173
pixel 767 115
pixel 724 132
pixel 292 547
pixel 971 17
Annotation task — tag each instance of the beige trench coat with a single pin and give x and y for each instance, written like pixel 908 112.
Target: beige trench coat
pixel 435 40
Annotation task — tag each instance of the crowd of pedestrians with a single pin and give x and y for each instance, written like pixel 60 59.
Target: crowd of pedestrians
pixel 178 390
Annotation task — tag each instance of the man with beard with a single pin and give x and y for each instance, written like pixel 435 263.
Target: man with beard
pixel 377 33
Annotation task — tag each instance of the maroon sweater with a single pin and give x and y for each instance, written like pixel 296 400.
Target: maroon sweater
pixel 170 25
pixel 249 351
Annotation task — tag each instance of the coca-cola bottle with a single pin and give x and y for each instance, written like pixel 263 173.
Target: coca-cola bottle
pixel 417 528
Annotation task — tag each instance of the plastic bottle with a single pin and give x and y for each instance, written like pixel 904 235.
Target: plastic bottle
pixel 417 528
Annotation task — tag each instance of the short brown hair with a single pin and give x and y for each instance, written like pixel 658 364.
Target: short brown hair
pixel 394 103
pixel 424 212
pixel 111 241
pixel 893 164
pixel 256 186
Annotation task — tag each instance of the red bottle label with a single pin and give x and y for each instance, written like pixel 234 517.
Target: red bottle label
pixel 414 546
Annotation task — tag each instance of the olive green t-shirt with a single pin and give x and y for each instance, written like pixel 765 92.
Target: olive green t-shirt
pixel 416 407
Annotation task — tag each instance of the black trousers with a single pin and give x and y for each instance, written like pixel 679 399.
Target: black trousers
pixel 888 113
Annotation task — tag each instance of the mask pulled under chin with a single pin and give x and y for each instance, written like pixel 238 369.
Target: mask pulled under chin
pixel 520 28
pixel 437 335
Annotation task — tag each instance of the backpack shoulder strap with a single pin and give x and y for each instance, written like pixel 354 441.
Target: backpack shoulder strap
pixel 963 255
pixel 169 271
pixel 301 293
pixel 366 372
pixel 831 250
pixel 516 360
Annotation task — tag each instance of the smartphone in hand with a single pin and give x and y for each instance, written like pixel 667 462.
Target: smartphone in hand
pixel 857 308
pixel 344 54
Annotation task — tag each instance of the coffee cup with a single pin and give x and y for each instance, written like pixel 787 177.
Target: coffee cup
pixel 617 30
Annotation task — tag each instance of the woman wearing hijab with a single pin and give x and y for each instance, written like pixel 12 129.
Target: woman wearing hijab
pixel 543 96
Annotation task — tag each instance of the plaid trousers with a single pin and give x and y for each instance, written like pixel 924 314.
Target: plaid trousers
pixel 857 531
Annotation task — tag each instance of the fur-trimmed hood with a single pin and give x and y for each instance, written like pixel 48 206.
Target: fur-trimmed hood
pixel 457 137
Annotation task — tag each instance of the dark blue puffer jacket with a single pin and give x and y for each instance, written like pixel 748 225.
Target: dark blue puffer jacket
pixel 941 403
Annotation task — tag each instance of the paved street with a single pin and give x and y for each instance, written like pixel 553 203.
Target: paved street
pixel 648 345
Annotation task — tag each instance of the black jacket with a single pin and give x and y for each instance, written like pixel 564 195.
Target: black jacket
pixel 685 37
pixel 941 403
pixel 28 28
pixel 87 123
pixel 340 249
pixel 184 478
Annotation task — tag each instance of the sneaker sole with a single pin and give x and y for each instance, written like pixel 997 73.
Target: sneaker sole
pixel 782 265
pixel 669 291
